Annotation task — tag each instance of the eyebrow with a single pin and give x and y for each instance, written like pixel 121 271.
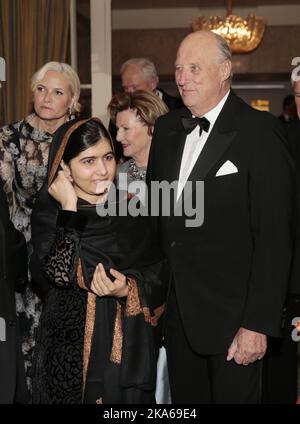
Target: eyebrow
pixel 94 157
pixel 87 157
pixel 55 88
pixel 188 64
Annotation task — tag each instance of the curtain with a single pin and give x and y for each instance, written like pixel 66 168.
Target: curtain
pixel 32 32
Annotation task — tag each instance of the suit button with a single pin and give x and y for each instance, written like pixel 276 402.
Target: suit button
pixel 11 323
pixel 173 244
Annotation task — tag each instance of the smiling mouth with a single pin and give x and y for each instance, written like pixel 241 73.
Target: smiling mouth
pixel 102 186
pixel 101 182
pixel 102 191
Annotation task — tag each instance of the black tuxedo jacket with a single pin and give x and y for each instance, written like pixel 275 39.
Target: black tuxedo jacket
pixel 13 276
pixel 293 136
pixel 231 271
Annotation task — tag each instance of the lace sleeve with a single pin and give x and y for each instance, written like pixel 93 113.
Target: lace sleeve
pixel 6 161
pixel 59 266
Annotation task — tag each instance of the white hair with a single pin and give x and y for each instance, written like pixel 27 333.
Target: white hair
pixel 146 66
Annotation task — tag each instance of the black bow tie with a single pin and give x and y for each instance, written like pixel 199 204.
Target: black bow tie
pixel 190 123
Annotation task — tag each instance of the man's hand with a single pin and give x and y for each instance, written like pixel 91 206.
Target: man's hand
pixel 247 347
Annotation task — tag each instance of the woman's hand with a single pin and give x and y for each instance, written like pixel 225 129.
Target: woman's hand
pixel 103 286
pixel 63 191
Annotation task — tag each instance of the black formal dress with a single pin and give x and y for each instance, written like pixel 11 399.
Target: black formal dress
pixel 13 276
pixel 23 169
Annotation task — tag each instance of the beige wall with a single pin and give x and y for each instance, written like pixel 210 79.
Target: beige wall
pixel 156 34
pixel 269 63
pixel 280 44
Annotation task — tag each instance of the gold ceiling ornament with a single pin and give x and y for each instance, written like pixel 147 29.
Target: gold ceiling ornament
pixel 242 35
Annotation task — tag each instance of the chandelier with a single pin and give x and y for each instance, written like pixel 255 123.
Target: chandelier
pixel 242 35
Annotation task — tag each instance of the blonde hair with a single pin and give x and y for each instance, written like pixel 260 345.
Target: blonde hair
pixel 147 105
pixel 69 73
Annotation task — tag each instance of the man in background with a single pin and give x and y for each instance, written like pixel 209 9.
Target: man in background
pixel 289 112
pixel 280 367
pixel 141 74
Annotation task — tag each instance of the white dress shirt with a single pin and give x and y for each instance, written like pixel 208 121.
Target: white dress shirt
pixel 194 145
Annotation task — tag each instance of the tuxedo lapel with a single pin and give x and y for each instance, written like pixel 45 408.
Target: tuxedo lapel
pixel 175 137
pixel 215 146
pixel 219 140
pixel 178 143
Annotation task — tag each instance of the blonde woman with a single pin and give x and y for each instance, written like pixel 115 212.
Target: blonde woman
pixel 24 148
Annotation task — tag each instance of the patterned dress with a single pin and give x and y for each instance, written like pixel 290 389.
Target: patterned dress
pixel 23 169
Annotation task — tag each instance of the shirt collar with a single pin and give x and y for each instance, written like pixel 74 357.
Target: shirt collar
pixel 213 114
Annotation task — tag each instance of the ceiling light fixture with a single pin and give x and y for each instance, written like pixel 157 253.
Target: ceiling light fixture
pixel 242 35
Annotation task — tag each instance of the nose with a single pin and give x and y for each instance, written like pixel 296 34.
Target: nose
pixel 181 77
pixel 101 168
pixel 120 134
pixel 47 97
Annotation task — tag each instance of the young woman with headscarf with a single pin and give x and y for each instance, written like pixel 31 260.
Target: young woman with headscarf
pixel 102 278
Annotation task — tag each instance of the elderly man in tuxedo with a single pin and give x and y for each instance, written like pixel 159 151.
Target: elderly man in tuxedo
pixel 230 273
